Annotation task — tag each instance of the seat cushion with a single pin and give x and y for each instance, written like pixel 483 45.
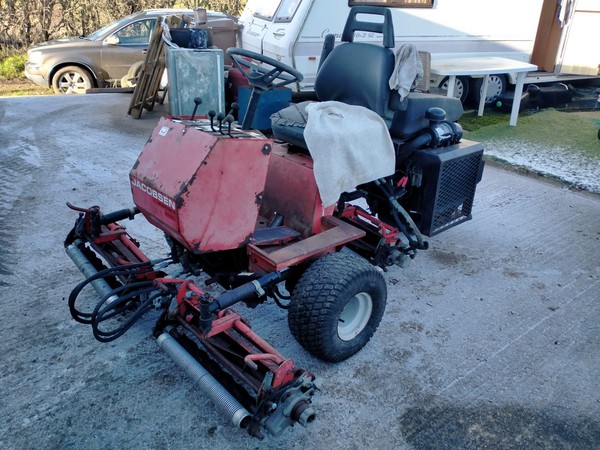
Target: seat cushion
pixel 289 123
pixel 410 116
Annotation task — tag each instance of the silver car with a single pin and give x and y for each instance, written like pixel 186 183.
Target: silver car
pixel 102 59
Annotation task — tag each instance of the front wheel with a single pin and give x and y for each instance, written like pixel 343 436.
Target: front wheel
pixel 337 306
pixel 71 80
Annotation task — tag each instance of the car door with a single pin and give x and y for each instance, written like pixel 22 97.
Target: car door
pixel 131 45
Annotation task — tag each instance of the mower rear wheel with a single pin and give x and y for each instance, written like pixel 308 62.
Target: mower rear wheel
pixel 337 306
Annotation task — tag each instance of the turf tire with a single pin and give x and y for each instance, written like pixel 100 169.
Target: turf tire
pixel 326 290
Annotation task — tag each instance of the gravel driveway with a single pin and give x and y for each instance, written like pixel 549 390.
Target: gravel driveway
pixel 490 338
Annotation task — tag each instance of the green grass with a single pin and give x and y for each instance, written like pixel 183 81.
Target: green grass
pixel 12 78
pixel 13 66
pixel 577 131
pixel 471 122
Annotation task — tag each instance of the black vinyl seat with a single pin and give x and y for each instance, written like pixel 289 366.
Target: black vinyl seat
pixel 354 73
pixel 358 73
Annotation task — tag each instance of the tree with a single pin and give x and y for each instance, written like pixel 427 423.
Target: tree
pixel 27 22
pixel 233 7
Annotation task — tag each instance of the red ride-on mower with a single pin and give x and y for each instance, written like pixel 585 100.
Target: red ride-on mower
pixel 246 210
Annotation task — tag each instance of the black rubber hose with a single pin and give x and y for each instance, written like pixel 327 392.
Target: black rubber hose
pixel 134 290
pixel 111 335
pixel 407 149
pixel 397 209
pixel 246 291
pixel 132 269
pixel 121 214
pixel 82 317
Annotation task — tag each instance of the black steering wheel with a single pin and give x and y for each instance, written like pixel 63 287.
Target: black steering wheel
pixel 263 76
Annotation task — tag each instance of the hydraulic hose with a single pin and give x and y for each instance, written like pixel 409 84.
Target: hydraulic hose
pixel 247 291
pixel 419 141
pixel 105 311
pixel 403 219
pixel 87 268
pixel 104 290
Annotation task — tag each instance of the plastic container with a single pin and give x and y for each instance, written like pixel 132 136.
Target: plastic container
pixel 550 96
pixel 222 34
pixel 269 103
pixel 195 73
pixel 180 37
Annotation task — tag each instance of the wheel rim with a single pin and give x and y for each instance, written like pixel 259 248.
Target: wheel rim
pixel 495 88
pixel 355 316
pixel 72 83
pixel 458 88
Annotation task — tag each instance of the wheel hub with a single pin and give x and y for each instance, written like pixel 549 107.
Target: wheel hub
pixel 355 316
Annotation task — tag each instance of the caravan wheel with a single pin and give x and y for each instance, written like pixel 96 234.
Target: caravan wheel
pixel 461 88
pixel 496 87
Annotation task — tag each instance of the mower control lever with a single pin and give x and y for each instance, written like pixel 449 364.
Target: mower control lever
pixel 212 113
pixel 235 107
pixel 229 119
pixel 197 102
pixel 220 118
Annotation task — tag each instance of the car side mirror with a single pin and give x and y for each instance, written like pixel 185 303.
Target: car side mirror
pixel 112 40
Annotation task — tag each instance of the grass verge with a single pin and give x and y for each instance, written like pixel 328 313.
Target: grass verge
pixel 559 145
pixel 576 131
pixel 18 87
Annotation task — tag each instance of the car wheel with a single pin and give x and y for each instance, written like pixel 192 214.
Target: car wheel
pixel 461 88
pixel 131 79
pixel 496 87
pixel 71 80
pixel 336 306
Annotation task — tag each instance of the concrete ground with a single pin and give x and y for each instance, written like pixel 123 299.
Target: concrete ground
pixel 490 338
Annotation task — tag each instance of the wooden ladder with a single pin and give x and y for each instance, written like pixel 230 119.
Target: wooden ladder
pixel 145 94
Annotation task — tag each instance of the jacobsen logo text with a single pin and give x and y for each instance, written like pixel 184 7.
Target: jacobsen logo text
pixel 162 198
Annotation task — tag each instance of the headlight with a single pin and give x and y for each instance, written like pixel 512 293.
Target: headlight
pixel 34 56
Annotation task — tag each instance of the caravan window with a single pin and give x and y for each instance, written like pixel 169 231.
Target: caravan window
pixel 266 9
pixel 394 3
pixel 286 11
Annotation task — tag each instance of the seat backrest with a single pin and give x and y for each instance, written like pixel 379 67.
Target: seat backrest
pixel 358 73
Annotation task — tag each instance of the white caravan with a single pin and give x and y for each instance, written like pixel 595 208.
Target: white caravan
pixel 556 35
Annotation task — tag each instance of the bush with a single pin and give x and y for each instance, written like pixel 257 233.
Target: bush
pixel 13 66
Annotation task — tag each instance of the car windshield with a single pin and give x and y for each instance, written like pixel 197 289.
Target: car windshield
pixel 107 29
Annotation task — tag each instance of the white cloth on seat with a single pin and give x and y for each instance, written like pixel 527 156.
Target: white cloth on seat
pixel 350 145
pixel 407 71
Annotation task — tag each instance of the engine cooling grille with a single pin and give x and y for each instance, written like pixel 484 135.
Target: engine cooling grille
pixel 456 191
pixel 450 177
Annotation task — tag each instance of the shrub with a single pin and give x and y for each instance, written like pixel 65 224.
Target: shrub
pixel 13 66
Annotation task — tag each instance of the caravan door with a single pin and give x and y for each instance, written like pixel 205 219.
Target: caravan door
pixel 565 43
pixel 580 52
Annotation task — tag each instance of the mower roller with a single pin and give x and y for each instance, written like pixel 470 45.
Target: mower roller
pixel 243 210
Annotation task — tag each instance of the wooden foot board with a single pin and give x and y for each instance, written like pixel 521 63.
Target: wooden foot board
pixel 335 234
